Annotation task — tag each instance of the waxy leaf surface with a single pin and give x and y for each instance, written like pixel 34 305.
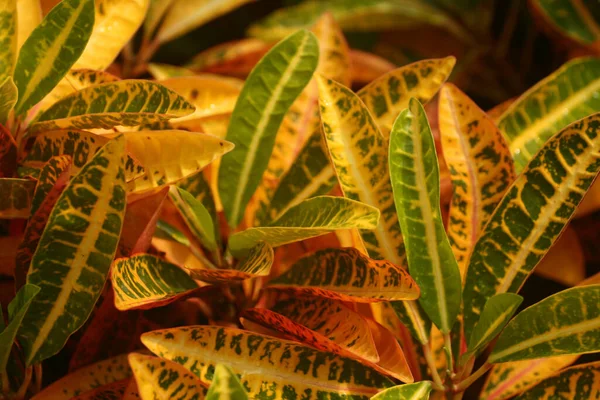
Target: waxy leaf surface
pixel 579 382
pixel 411 391
pixel 226 385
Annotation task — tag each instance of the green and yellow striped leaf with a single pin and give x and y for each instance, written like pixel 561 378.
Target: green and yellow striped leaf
pixel 115 23
pixel 570 93
pixel 416 183
pixel 121 103
pixel 573 18
pixel 50 174
pixel 481 168
pixel 196 216
pixel 563 324
pixel 312 217
pixel 186 15
pixel 51 49
pixel 531 215
pixel 167 71
pixel 8 38
pixel 266 365
pixel 169 156
pixel 256 263
pixel 226 385
pixel 86 379
pixel 389 94
pixel 411 391
pixel 8 93
pixel 347 275
pixel 579 382
pixel 146 281
pixel 267 94
pixel 75 252
pixel 17 194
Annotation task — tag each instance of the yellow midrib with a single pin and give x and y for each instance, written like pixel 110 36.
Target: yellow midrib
pixel 497 322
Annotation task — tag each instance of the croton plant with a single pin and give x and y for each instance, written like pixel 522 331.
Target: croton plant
pixel 286 217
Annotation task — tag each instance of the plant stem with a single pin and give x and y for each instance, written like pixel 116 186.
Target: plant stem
pixel 462 386
pixel 25 385
pixel 448 344
pixel 437 380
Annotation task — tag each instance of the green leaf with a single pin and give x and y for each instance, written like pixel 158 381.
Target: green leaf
pixel 8 38
pixel 17 194
pixel 75 251
pixel 226 385
pixel 51 49
pixel 195 215
pixel 166 231
pixel 269 91
pixel 49 175
pixel 412 391
pixel 127 103
pixel 568 94
pixel 567 322
pixel 312 217
pixel 416 183
pixel 575 383
pixel 574 18
pixel 198 187
pixel 8 94
pixel 531 215
pixel 498 310
pixel 146 281
pixel 16 311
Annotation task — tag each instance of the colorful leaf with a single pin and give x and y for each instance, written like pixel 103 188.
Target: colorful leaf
pixel 416 183
pixel 267 94
pixel 411 391
pixel 75 251
pixel 198 186
pixel 146 281
pixel 265 364
pixel 575 19
pixel 481 168
pixel 531 215
pixel 391 356
pixel 196 217
pixel 49 176
pixel 112 390
pixel 9 94
pixel 226 385
pixel 51 49
pixel 312 217
pixel 579 382
pixel 16 198
pixel 126 103
pixel 389 94
pixel 347 275
pixel 8 37
pixel 166 71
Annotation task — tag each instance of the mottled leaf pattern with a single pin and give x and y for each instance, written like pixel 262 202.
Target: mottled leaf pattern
pixel 411 391
pixel 49 176
pixel 16 198
pixel 226 385
pixel 579 382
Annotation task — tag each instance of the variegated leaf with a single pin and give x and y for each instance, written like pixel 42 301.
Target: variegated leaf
pixel 416 183
pixel 8 38
pixel 8 93
pixel 51 49
pixel 347 275
pixel 267 94
pixel 575 19
pixel 29 13
pixel 50 174
pixel 388 95
pixel 17 194
pixel 196 217
pixel 481 168
pixel 121 103
pixel 226 385
pixel 411 391
pixel 146 281
pixel 579 382
pixel 563 324
pixel 265 365
pixel 312 217
pixel 80 240
pixel 532 214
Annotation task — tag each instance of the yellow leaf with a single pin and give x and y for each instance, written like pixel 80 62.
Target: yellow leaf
pixel 29 14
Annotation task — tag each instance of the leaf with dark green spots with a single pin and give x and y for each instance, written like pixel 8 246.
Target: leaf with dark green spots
pixel 531 215
pixel 576 19
pixel 268 93
pixel 75 251
pixel 121 103
pixel 567 322
pixel 146 281
pixel 49 175
pixel 575 383
pixel 226 385
pixel 411 391
pixel 51 49
pixel 8 38
pixel 312 217
pixel 196 216
pixel 17 194
pixel 8 96
pixel 416 183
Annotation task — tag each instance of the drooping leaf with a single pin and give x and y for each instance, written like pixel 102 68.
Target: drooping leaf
pixel 146 281
pixel 29 13
pixel 51 49
pixel 257 263
pixel 9 94
pixel 88 378
pixel 17 194
pixel 563 97
pixel 312 217
pixel 8 38
pixel 347 275
pixel 531 215
pixel 226 385
pixel 575 19
pixel 115 23
pixel 389 94
pixel 79 242
pixel 481 168
pixel 267 94
pixel 411 391
pixel 169 156
pixel 196 216
pixel 186 15
pixel 565 323
pixel 416 183
pixel 579 382
pixel 126 103
pixel 264 362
